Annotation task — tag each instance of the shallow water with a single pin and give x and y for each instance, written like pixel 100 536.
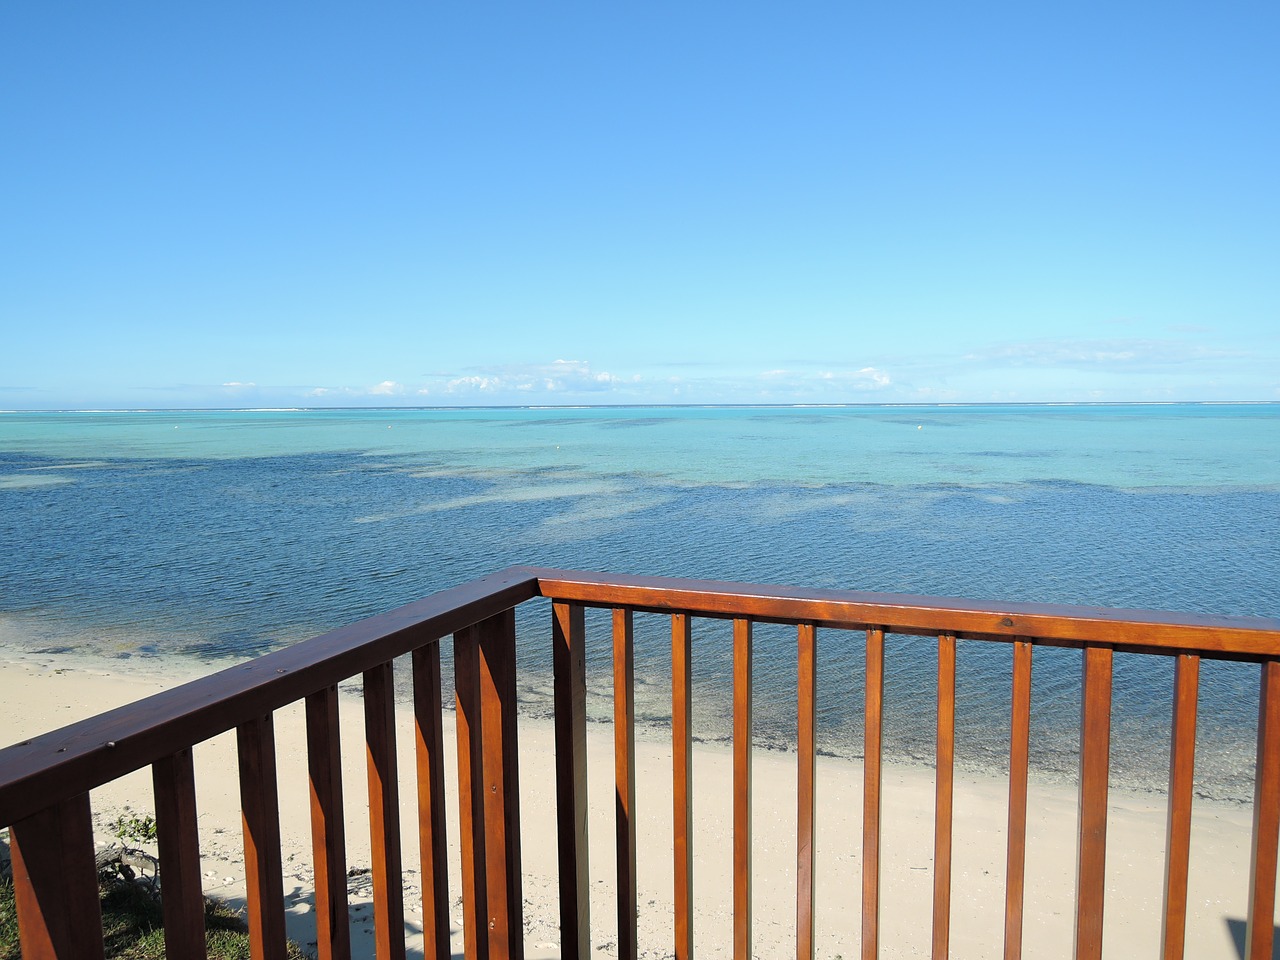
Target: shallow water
pixel 214 534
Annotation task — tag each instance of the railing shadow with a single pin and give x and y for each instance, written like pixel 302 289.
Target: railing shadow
pixel 1237 929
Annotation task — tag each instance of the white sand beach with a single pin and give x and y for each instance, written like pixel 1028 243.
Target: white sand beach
pixel 42 692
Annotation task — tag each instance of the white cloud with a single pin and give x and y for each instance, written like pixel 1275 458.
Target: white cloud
pixel 387 388
pixel 237 385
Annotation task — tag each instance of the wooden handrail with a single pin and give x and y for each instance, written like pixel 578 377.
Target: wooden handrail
pixel 58 765
pixel 1151 631
pixel 44 781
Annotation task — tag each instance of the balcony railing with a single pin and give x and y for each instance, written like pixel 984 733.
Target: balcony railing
pixel 45 781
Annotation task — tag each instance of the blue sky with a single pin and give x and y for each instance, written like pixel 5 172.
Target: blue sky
pixel 323 204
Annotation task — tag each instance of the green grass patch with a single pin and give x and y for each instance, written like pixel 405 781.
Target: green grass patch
pixel 133 926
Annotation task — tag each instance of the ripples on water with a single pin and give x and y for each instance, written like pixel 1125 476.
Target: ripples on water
pixel 203 549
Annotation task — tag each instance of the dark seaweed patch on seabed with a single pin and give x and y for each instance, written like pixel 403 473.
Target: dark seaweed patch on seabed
pixel 629 424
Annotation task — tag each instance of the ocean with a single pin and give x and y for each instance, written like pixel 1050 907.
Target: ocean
pixel 214 535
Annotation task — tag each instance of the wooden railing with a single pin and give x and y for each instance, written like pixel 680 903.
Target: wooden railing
pixel 45 781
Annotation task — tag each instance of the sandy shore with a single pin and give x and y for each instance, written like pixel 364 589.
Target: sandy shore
pixel 41 692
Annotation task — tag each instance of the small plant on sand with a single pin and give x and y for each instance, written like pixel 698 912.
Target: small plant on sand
pixel 130 826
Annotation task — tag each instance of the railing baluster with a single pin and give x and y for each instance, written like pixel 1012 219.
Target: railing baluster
pixel 260 809
pixel 328 830
pixel 1095 751
pixel 432 838
pixel 1266 818
pixel 741 789
pixel 475 908
pixel 1182 760
pixel 1019 754
pixel 682 779
pixel 384 812
pixel 501 767
pixel 173 778
pixel 569 665
pixel 873 738
pixel 944 777
pixel 624 772
pixel 55 883
pixel 806 751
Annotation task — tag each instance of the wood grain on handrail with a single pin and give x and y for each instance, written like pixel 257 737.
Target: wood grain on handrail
pixel 921 615
pixel 62 763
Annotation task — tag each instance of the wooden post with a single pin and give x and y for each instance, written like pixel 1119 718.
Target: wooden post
pixel 569 666
pixel 55 883
pixel 502 785
pixel 741 789
pixel 1095 755
pixel 873 735
pixel 260 812
pixel 944 778
pixel 624 769
pixel 1019 753
pixel 806 805
pixel 384 812
pixel 682 779
pixel 1182 765
pixel 475 909
pixel 432 839
pixel 182 898
pixel 1266 819
pixel 328 831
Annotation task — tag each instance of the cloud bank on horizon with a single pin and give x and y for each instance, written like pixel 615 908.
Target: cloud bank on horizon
pixel 239 206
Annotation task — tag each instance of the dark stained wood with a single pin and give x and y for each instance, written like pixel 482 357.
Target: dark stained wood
pixel 328 829
pixel 174 780
pixel 55 883
pixel 260 812
pixel 1095 754
pixel 1182 759
pixel 624 778
pixel 501 769
pixel 1019 751
pixel 806 754
pixel 741 789
pixel 918 615
pixel 432 837
pixel 944 777
pixel 568 662
pixel 471 834
pixel 63 763
pixel 682 779
pixel 1266 819
pixel 384 812
pixel 873 741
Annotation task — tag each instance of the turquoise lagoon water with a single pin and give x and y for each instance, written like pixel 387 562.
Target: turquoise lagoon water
pixel 220 534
